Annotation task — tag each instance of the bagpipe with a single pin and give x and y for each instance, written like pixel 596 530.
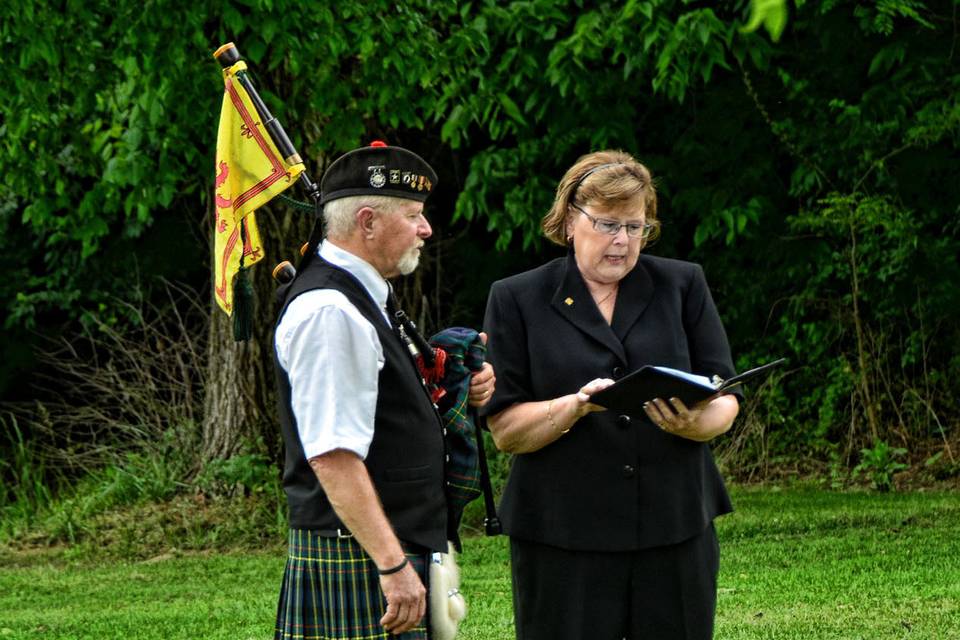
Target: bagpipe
pixel 446 363
pixel 257 161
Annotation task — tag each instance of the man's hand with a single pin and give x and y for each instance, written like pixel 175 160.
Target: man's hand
pixel 348 486
pixel 482 383
pixel 406 600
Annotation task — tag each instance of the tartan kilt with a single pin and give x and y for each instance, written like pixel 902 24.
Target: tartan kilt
pixel 331 591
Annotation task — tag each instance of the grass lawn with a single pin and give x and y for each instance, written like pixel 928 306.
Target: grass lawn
pixel 796 564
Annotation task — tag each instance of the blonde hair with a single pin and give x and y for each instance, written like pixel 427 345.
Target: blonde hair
pixel 609 179
pixel 340 215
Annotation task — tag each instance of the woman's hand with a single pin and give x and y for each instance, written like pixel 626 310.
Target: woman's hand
pixel 703 422
pixel 584 406
pixel 530 426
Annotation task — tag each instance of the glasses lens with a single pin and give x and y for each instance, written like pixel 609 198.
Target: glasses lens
pixel 639 230
pixel 634 229
pixel 606 226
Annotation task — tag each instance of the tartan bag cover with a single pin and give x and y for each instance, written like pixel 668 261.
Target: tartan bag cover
pixel 465 355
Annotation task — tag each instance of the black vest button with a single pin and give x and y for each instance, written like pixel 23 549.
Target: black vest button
pixel 617 373
pixel 623 421
pixel 628 471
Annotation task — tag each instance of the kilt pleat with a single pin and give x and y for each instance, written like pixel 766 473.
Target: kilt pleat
pixel 331 591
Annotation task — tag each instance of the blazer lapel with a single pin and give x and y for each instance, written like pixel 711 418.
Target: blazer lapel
pixel 635 294
pixel 573 301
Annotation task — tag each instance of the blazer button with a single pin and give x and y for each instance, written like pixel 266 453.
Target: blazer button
pixel 623 421
pixel 617 373
pixel 628 471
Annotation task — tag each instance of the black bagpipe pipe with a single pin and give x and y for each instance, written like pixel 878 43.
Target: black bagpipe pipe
pixel 417 344
pixel 491 522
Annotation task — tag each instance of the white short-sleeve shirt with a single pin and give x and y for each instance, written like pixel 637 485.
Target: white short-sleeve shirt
pixel 333 357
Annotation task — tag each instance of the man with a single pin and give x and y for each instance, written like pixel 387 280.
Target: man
pixel 364 471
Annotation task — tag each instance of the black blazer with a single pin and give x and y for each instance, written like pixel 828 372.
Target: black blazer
pixel 610 484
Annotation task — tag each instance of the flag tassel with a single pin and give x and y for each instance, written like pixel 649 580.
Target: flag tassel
pixel 242 305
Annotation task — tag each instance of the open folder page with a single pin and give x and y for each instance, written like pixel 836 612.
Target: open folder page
pixel 630 392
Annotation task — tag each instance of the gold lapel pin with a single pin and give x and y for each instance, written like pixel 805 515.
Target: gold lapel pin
pixel 568 301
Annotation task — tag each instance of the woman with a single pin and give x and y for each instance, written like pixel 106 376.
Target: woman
pixel 610 518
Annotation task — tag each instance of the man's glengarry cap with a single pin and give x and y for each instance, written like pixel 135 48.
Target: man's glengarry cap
pixel 379 170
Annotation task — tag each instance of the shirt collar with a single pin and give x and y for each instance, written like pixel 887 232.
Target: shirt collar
pixel 362 270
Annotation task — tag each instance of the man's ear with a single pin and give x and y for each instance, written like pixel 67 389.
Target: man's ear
pixel 365 218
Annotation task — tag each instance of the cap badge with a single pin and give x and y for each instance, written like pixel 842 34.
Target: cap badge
pixel 377 177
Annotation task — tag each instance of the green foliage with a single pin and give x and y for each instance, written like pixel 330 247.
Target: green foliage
pixel 544 87
pixel 147 504
pixel 69 513
pixel 26 482
pixel 139 478
pixel 842 255
pixel 771 14
pixel 862 298
pixel 253 472
pixel 880 463
pixel 94 147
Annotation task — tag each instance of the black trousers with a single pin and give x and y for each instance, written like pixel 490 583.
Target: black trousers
pixel 664 593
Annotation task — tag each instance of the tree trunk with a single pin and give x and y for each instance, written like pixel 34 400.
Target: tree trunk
pixel 240 400
pixel 863 374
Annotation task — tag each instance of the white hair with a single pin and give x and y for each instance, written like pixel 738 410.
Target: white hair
pixel 340 215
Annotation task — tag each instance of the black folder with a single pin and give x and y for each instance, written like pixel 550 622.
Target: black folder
pixel 646 383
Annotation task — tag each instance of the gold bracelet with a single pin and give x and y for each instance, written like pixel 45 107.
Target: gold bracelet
pixel 550 417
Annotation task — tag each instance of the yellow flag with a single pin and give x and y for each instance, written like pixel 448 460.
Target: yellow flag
pixel 250 172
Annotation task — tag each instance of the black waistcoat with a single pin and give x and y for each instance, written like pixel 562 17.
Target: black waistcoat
pixel 406 456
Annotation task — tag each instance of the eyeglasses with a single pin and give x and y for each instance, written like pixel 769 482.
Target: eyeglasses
pixel 612 228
